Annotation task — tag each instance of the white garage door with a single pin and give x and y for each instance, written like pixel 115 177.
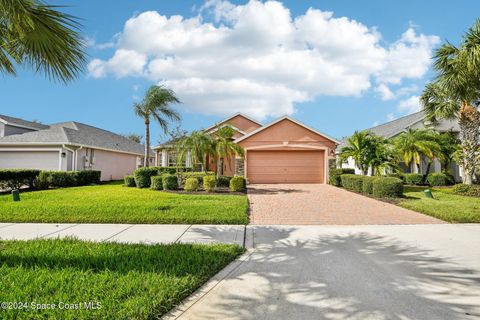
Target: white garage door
pixel 43 160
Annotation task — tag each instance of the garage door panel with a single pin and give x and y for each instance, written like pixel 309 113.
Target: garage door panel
pixel 43 160
pixel 285 166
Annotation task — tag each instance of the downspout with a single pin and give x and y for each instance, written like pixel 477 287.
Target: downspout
pixel 73 155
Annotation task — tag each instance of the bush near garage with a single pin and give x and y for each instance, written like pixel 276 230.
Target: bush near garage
pixel 438 179
pixel 367 187
pixel 238 184
pixel 64 179
pixel 191 184
pixel 466 190
pixel 415 179
pixel 352 182
pixel 170 182
pixel 129 181
pixel 16 178
pixel 156 183
pixel 334 175
pixel 223 182
pixel 86 177
pixel 209 183
pixel 387 187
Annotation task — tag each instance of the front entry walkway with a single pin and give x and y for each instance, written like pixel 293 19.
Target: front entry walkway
pixel 321 204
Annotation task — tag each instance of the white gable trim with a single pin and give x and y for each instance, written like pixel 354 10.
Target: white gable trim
pixel 12 124
pixel 231 117
pixel 215 129
pixel 286 118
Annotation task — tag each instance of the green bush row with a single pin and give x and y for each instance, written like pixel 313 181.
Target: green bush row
pixel 380 187
pixel 334 175
pixel 467 190
pixel 143 175
pixel 170 182
pixel 15 178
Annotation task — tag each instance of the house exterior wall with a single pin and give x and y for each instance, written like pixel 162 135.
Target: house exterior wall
pixel 113 165
pixel 242 123
pixel 33 157
pixel 8 130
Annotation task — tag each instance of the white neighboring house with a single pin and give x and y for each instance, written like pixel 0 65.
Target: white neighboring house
pixel 416 120
pixel 70 146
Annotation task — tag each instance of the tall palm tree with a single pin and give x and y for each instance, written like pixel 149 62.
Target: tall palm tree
pixel 199 145
pixel 156 106
pixel 36 34
pixel 455 94
pixel 359 149
pixel 413 143
pixel 381 156
pixel 449 149
pixel 225 148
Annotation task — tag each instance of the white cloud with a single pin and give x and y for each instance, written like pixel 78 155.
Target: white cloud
pixel 410 105
pixel 385 92
pixel 258 59
pixel 391 117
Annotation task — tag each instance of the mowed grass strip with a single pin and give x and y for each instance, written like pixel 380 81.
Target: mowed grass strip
pixel 446 205
pixel 127 281
pixel 113 203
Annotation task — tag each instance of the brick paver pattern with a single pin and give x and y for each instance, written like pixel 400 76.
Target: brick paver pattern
pixel 314 204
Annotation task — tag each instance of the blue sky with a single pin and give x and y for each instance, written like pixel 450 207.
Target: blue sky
pixel 363 64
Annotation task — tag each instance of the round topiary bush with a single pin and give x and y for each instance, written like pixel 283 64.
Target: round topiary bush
pixel 170 182
pixel 129 181
pixel 156 183
pixel 209 183
pixel 191 184
pixel 438 179
pixel 414 179
pixel 143 176
pixel 387 187
pixel 238 184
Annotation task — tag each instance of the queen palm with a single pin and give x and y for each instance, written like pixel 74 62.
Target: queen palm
pixel 156 105
pixel 35 34
pixel 198 145
pixel 413 143
pixel 381 158
pixel 455 94
pixel 224 147
pixel 359 149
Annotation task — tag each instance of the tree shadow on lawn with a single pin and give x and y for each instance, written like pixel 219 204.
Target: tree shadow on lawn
pixel 347 276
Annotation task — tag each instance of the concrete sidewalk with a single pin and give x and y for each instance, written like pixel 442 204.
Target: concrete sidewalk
pixel 129 233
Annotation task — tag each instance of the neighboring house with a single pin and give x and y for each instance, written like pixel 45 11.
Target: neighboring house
pixel 416 120
pixel 283 151
pixel 11 125
pixel 70 146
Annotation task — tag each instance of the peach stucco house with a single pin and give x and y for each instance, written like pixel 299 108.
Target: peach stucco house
pixel 283 151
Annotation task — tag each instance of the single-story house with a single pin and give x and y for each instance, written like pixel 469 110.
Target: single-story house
pixel 283 151
pixel 416 120
pixel 70 146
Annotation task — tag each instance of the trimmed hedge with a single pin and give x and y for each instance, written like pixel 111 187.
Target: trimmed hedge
pixel 173 170
pixel 367 187
pixel 170 182
pixel 352 182
pixel 209 183
pixel 466 190
pixel 223 181
pixel 197 175
pixel 238 183
pixel 334 175
pixel 191 184
pixel 398 175
pixel 42 182
pixel 129 181
pixel 156 183
pixel 86 177
pixel 16 178
pixel 143 176
pixel 438 179
pixel 414 179
pixel 61 179
pixel 387 187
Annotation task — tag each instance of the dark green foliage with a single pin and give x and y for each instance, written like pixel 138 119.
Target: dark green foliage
pixel 209 183
pixel 191 184
pixel 173 170
pixel 237 184
pixel 64 179
pixel 42 181
pixel 415 179
pixel 352 182
pixel 170 182
pixel 143 176
pixel 156 183
pixel 438 179
pixel 87 177
pixel 61 179
pixel 398 175
pixel 467 190
pixel 129 181
pixel 16 178
pixel 367 187
pixel 223 181
pixel 197 175
pixel 334 178
pixel 387 187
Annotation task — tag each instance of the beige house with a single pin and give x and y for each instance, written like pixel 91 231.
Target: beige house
pixel 70 146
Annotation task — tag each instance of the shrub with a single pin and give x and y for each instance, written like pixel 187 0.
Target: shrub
pixel 223 181
pixel 209 183
pixel 16 178
pixel 61 179
pixel 387 187
pixel 129 181
pixel 191 184
pixel 170 182
pixel 334 177
pixel 156 183
pixel 87 177
pixel 352 182
pixel 438 179
pixel 197 175
pixel 414 179
pixel 238 183
pixel 173 170
pixel 42 182
pixel 367 186
pixel 467 190
pixel 143 176
pixel 398 175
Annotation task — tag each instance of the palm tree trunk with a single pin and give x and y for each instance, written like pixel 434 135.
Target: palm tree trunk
pixel 147 142
pixel 469 121
pixel 220 167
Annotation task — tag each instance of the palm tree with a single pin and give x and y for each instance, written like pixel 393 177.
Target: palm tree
pixel 359 149
pixel 35 34
pixel 156 105
pixel 449 149
pixel 381 156
pixel 199 145
pixel 413 143
pixel 455 94
pixel 225 148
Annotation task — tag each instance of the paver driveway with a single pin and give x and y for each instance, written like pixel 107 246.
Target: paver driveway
pixel 302 204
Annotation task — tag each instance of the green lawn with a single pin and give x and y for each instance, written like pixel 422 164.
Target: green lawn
pixel 126 281
pixel 113 203
pixel 446 205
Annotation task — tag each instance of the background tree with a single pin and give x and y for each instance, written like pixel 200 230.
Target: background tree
pixel 36 34
pixel 225 148
pixel 134 137
pixel 449 149
pixel 455 94
pixel 359 149
pixel 156 106
pixel 381 157
pixel 198 145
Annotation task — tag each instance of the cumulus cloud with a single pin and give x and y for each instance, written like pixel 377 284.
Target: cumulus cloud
pixel 259 59
pixel 384 91
pixel 410 105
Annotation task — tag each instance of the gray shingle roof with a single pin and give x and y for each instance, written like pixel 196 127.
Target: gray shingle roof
pixel 394 127
pixel 75 133
pixel 23 123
